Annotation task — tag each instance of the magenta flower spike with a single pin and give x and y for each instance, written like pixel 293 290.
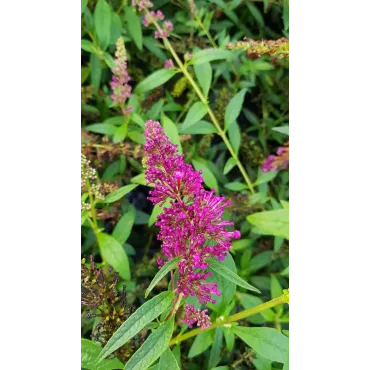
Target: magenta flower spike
pixel 193 226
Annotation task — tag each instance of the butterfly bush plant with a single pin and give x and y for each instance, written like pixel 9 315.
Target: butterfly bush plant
pixel 184 185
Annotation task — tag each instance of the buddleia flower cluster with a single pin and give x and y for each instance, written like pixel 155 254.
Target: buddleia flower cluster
pixel 193 226
pixel 278 161
pixel 89 177
pixel 153 17
pixel 119 84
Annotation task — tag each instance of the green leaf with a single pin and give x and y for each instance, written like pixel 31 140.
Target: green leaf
pixel 208 176
pixel 84 215
pixel 222 270
pixel 275 222
pixel 124 226
pixel 286 362
pixel 234 108
pixel 83 5
pixel 162 273
pixel 208 55
pixel 137 321
pixel 197 111
pixel 260 260
pixel 171 131
pixel 229 339
pixel 113 252
pixel 236 186
pixel 116 120
pixel 88 46
pixel 134 26
pixel 121 133
pixel 265 177
pixel 109 61
pixel 267 342
pixel 234 136
pixel 152 348
pixel 119 193
pixel 204 75
pixel 225 286
pixel 282 129
pixel 285 272
pixel 230 164
pixel 215 354
pixel 199 128
pixel 157 210
pixel 89 353
pixel 140 179
pixel 101 128
pixel 249 301
pixel 168 361
pixel 95 71
pixel 154 80
pixel 286 15
pixel 256 13
pixel 116 28
pixel 201 343
pixel 136 137
pixel 102 21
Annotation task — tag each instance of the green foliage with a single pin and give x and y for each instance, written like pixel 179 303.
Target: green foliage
pixel 268 342
pixel 153 347
pixel 90 352
pixel 274 222
pixel 113 252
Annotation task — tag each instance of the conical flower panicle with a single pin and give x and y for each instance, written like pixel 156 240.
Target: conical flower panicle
pixel 193 226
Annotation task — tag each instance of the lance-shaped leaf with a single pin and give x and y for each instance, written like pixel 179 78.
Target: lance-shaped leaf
pixel 119 193
pixel 152 348
pixel 90 351
pixel 222 270
pixel 136 322
pixel 162 273
pixel 168 361
pixel 154 80
pixel 267 342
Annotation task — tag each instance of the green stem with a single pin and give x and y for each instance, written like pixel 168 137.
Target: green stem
pixel 205 101
pixel 225 322
pixel 93 212
pixel 210 38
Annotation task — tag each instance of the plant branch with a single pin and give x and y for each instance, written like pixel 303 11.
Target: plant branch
pixel 226 321
pixel 204 100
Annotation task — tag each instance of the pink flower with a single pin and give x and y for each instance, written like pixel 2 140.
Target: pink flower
pixel 194 218
pixel 155 16
pixel 119 84
pixel 192 316
pixel 279 161
pixel 168 64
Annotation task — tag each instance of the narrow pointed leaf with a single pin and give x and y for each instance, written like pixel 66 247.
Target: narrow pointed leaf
pixel 113 252
pixel 136 322
pixel 234 108
pixel 152 348
pixel 267 342
pixel 89 353
pixel 162 273
pixel 119 193
pixel 222 270
pixel 154 80
pixel 168 361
